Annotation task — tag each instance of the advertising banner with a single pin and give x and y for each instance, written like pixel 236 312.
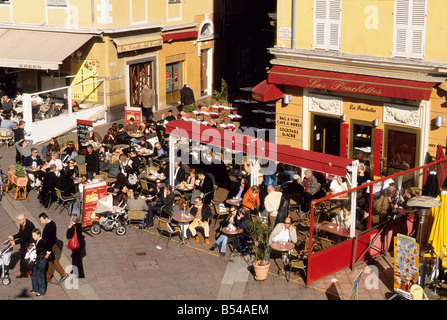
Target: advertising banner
pixel 92 192
pixel 132 112
pixel 406 262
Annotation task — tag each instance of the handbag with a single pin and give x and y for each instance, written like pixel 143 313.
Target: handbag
pixel 73 243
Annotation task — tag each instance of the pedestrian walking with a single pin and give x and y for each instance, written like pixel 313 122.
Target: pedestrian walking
pixel 49 235
pixel 24 238
pixel 147 101
pixel 75 226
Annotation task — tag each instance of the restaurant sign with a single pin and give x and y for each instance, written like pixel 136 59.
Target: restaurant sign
pixel 288 127
pixel 139 45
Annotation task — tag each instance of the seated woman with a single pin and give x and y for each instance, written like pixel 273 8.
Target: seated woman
pixel 67 175
pixel 112 165
pixel 109 140
pixel 239 191
pixel 182 207
pixel 343 217
pixel 408 194
pixel 251 200
pixel 53 145
pixel 338 185
pixel 56 161
pixel 70 152
pixel 50 182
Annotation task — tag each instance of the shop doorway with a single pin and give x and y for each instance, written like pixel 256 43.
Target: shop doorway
pixel 139 75
pixel 402 149
pixel 174 82
pixel 326 135
pixel 362 144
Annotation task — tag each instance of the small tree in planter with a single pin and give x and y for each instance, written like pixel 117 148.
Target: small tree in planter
pixel 259 234
pixel 222 96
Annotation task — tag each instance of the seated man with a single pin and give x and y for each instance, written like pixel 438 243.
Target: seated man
pixel 131 126
pixel 164 208
pixel 34 160
pixel 50 182
pixel 53 111
pixel 121 136
pixel 134 202
pixel 159 151
pixel 7 106
pixel 202 215
pixel 24 147
pixel 283 232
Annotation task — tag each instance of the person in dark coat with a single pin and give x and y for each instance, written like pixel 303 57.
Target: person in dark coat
pixel 50 182
pixel 76 254
pixel 24 238
pixel 283 210
pixel 187 96
pixel 91 161
pixel 179 173
pixel 206 186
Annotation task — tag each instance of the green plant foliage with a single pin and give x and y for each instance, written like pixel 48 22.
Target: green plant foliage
pixel 222 96
pixel 18 171
pixel 259 235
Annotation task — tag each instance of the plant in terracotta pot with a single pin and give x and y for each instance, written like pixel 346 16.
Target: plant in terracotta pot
pixel 258 232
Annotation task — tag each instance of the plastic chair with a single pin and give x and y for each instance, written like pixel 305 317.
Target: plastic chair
pixel 167 228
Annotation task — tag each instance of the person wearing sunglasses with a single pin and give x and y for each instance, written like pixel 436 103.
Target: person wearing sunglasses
pixel 223 238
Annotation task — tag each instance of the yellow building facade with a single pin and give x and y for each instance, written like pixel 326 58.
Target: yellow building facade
pixel 361 79
pixel 127 43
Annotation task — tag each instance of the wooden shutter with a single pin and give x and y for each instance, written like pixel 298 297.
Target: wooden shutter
pixel 418 20
pixel 409 32
pixel 344 140
pixel 334 24
pixel 320 24
pixel 378 150
pixel 402 13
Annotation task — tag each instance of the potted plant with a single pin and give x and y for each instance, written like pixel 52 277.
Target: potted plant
pixel 258 232
pixel 16 175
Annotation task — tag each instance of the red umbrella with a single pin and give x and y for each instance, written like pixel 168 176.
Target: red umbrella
pixel 442 167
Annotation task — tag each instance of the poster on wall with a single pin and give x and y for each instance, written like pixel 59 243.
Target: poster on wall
pixel 406 262
pixel 92 192
pixel 83 89
pixel 132 112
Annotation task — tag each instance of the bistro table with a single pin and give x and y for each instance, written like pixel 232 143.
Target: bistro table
pixel 183 220
pixel 334 229
pixel 122 146
pixel 152 176
pixel 145 153
pixel 32 169
pixel 136 135
pixel 234 202
pixel 283 247
pixel 231 233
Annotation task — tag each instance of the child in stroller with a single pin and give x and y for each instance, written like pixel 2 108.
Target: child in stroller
pixel 5 259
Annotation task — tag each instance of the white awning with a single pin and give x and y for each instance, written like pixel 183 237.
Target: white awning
pixel 45 50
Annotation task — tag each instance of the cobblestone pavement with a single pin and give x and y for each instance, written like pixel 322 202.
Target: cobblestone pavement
pixel 130 267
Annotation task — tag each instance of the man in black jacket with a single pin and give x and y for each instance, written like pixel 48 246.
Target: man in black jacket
pixel 49 235
pixel 179 173
pixel 24 238
pixel 206 186
pixel 91 162
pixel 187 96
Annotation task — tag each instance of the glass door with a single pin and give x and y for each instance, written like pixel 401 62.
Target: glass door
pixel 362 144
pixel 140 75
pixel 173 82
pixel 326 135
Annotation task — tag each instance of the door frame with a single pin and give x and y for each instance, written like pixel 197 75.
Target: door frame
pixel 312 125
pixel 373 140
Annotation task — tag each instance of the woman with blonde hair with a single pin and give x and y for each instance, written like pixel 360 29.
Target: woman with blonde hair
pixel 113 165
pixel 182 207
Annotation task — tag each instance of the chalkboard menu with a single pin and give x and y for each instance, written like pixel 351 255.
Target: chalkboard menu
pixel 82 128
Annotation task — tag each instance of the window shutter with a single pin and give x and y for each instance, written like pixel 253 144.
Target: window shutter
pixel 402 18
pixel 418 20
pixel 409 37
pixel 320 24
pixel 334 24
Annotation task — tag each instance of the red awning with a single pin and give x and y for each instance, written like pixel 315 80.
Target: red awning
pixel 316 161
pixel 181 34
pixel 352 83
pixel 265 91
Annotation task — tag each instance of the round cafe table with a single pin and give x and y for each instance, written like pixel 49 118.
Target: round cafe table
pixel 234 202
pixel 32 169
pixel 122 146
pixel 183 220
pixel 232 233
pixel 284 248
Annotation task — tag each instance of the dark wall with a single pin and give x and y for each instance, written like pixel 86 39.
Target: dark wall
pixel 245 33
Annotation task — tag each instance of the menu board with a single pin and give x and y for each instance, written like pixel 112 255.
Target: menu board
pixel 92 192
pixel 406 262
pixel 132 112
pixel 82 129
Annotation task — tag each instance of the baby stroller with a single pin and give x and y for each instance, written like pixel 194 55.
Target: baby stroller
pixel 5 259
pixel 110 217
